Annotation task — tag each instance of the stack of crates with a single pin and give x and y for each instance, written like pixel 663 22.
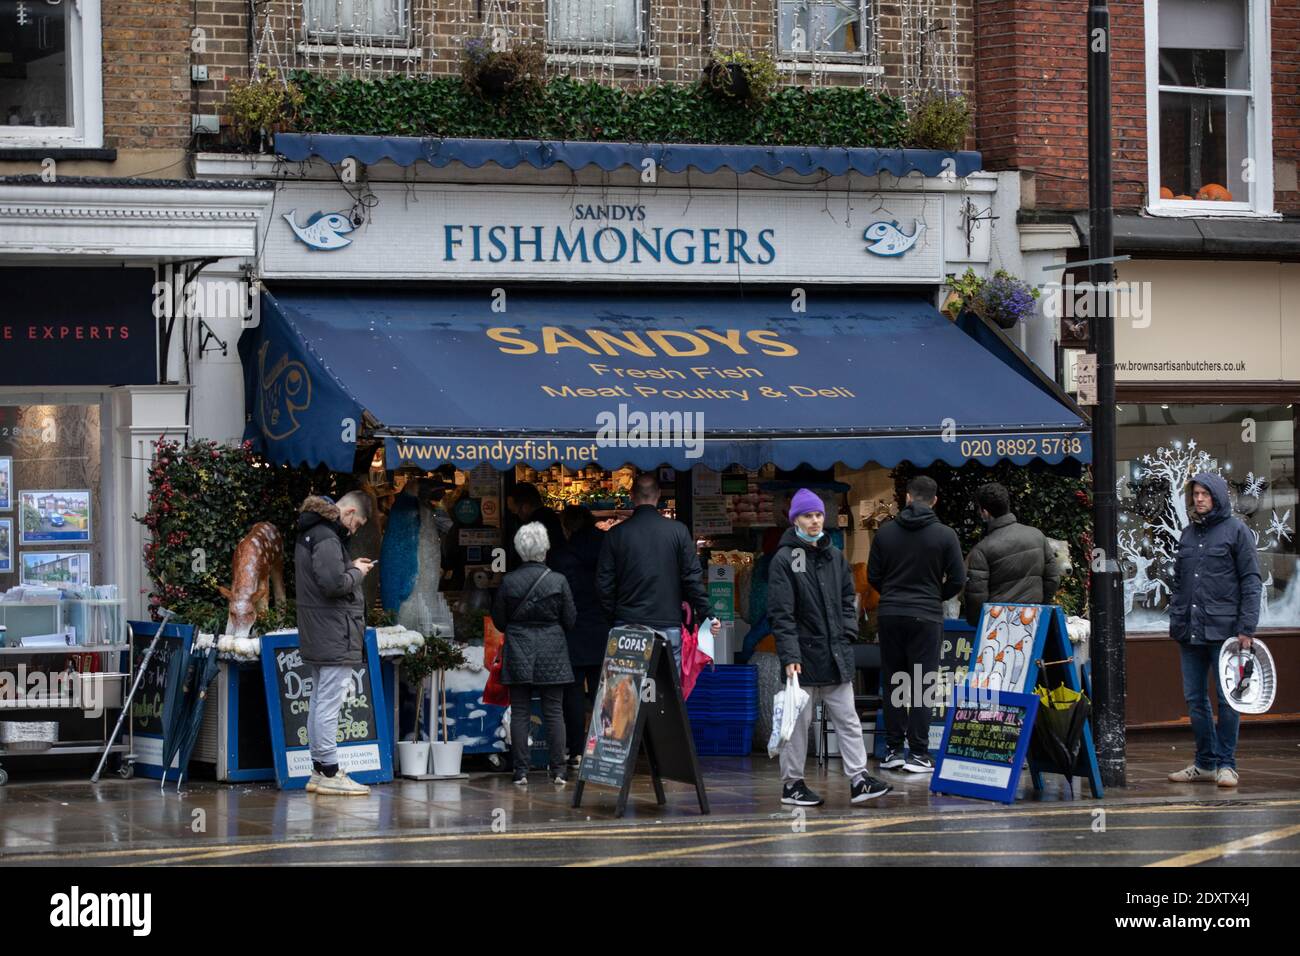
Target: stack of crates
pixel 722 709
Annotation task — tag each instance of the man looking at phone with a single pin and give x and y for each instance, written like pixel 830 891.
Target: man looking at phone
pixel 331 625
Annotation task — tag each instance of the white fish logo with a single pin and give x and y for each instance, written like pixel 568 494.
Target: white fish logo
pixel 888 239
pixel 323 231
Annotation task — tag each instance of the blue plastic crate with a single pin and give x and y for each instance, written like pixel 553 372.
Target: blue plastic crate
pixel 732 738
pixel 722 716
pixel 728 676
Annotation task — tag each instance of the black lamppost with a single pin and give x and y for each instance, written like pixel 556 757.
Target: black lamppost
pixel 1107 640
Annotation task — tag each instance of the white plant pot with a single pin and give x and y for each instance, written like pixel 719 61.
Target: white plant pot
pixel 446 758
pixel 413 757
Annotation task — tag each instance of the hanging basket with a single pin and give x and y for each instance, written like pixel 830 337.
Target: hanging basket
pixel 728 79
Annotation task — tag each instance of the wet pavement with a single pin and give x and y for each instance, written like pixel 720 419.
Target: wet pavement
pixel 485 820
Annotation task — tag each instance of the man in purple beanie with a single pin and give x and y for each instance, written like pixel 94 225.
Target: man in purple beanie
pixel 810 603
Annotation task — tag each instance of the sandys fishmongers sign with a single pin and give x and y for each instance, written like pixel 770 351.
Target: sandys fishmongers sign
pixel 478 232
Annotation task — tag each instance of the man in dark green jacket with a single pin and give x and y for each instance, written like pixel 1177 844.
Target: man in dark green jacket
pixel 1012 564
pixel 810 603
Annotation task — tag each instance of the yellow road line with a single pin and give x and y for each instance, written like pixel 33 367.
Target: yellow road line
pixel 731 844
pixel 183 854
pixel 1234 846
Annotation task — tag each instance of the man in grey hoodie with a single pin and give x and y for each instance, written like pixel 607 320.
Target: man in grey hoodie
pixel 1215 597
pixel 916 565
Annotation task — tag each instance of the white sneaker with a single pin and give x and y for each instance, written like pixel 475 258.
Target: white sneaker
pixel 314 783
pixel 341 785
pixel 1192 774
pixel 1225 777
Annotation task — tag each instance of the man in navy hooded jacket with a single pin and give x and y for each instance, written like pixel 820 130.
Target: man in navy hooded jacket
pixel 1215 598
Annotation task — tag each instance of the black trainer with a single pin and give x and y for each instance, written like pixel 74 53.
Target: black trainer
pixel 797 794
pixel 919 763
pixel 893 760
pixel 867 787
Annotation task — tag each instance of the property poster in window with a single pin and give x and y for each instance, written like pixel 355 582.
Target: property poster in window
pixel 6 545
pixel 55 517
pixel 54 445
pixel 56 569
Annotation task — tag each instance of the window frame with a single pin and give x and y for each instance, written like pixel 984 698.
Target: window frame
pixel 85 55
pixel 337 39
pixel 583 47
pixel 1259 121
pixel 808 57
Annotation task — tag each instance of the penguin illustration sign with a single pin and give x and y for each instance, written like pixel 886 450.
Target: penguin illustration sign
pixel 1009 641
pixel 324 231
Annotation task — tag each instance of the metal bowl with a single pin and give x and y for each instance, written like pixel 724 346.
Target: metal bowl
pixel 28 736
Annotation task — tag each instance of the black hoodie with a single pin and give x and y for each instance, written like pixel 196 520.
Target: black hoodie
pixel 916 565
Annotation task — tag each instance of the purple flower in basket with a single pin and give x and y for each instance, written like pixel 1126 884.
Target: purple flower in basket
pixel 1006 300
pixel 477 50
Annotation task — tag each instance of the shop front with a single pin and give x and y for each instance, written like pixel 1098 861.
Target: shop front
pixel 84 393
pixel 744 338
pixel 1208 374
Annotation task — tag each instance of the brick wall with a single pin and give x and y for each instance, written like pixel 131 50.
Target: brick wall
pixel 1031 95
pixel 679 40
pixel 146 67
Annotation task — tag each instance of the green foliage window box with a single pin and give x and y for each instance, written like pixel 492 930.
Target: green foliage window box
pixel 568 109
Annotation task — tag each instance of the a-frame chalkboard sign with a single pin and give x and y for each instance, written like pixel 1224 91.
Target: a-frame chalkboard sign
pixel 1016 647
pixel 639 708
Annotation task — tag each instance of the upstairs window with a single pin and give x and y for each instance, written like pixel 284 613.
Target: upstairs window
pixel 596 24
pixel 50 93
pixel 810 28
pixel 358 22
pixel 1208 105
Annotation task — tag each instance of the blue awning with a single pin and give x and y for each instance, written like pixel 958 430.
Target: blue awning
pixel 675 158
pixel 548 376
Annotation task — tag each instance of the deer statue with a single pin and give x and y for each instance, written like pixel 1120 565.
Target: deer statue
pixel 257 569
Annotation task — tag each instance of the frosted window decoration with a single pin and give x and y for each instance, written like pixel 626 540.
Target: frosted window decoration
pixel 366 19
pixel 588 22
pixel 1203 24
pixel 1153 484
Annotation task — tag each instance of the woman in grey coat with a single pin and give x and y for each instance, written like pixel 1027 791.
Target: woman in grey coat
pixel 534 609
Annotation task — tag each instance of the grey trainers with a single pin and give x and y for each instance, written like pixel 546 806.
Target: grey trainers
pixel 341 785
pixel 1192 774
pixel 314 783
pixel 1225 777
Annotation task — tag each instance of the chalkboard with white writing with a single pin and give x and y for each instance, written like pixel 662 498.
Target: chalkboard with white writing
pixel 985 740
pixel 363 739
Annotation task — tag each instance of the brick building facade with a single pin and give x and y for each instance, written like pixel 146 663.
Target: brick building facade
pixel 1032 73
